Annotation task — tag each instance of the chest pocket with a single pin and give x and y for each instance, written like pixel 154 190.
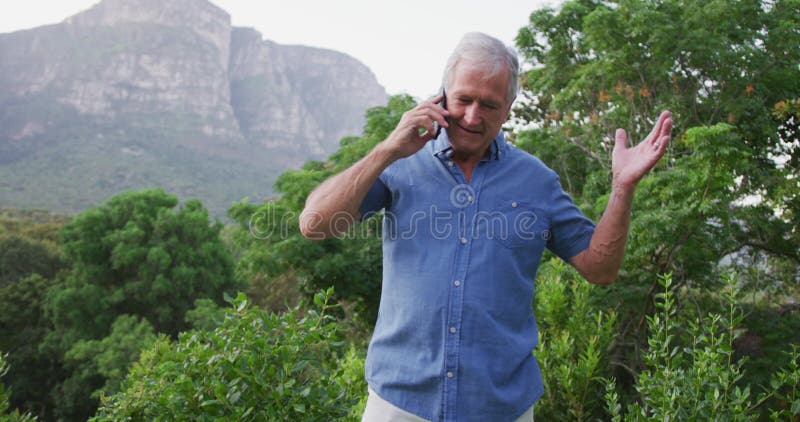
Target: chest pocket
pixel 516 224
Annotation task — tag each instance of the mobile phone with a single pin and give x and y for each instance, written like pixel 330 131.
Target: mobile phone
pixel 436 126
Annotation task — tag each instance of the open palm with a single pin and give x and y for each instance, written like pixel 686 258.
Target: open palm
pixel 629 165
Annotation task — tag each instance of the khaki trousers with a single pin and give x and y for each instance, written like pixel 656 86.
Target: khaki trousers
pixel 380 410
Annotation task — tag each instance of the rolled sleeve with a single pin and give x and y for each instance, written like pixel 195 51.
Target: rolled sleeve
pixel 571 231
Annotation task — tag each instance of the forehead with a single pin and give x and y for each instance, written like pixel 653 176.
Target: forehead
pixel 490 82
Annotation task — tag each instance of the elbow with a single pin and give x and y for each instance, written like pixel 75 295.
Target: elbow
pixel 316 225
pixel 606 279
pixel 309 223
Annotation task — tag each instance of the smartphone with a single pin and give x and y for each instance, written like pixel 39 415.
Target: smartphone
pixel 436 126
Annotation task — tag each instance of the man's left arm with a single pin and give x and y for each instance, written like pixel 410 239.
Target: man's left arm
pixel 601 261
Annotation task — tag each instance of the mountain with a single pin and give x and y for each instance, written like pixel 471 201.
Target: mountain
pixel 140 93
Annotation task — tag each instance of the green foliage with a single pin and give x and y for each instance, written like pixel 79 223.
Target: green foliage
pixel 206 315
pixel 134 256
pixel 351 377
pixel 573 343
pixel 726 190
pixel 691 373
pixel 110 357
pixel 5 415
pixel 23 327
pixel 784 387
pixel 255 366
pixel 21 257
pixel 34 224
pixel 28 244
pixel 30 259
pixel 694 196
pixel 272 246
pixel 602 65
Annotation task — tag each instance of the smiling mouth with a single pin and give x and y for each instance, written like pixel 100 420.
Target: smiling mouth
pixel 468 130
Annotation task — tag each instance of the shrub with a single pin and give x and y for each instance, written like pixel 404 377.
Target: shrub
pixel 573 343
pixel 700 381
pixel 255 366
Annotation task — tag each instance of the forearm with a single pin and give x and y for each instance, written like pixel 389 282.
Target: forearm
pixel 334 205
pixel 601 261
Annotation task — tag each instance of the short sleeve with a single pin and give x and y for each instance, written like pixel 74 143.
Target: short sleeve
pixel 377 198
pixel 570 230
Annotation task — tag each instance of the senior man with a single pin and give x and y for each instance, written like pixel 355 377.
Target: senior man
pixel 466 219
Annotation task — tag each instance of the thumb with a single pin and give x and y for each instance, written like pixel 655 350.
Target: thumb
pixel 621 139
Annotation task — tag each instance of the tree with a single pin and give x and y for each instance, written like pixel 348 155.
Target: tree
pixel 599 65
pixel 5 414
pixel 21 256
pixel 726 191
pixel 30 260
pixel 135 255
pixel 23 326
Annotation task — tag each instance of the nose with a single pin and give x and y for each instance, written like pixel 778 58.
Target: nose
pixel 472 114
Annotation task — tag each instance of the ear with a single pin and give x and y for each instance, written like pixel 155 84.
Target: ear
pixel 508 111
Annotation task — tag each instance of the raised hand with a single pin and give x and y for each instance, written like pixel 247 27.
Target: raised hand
pixel 629 165
pixel 416 127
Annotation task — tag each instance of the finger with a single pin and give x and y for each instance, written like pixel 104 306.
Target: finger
pixel 440 118
pixel 435 107
pixel 660 142
pixel 620 139
pixel 652 137
pixel 426 131
pixel 435 99
pixel 666 127
pixel 658 129
pixel 436 114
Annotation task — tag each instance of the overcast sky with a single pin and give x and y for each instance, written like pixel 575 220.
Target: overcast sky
pixel 404 42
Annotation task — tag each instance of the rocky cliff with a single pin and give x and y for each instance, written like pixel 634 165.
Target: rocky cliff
pixel 138 93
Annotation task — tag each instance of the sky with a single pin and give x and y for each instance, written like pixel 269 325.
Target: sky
pixel 404 42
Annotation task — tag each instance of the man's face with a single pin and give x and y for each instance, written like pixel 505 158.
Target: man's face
pixel 478 107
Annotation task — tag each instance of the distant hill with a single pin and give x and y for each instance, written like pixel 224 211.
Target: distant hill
pixel 139 93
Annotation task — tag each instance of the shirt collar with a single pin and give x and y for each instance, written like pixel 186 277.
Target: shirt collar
pixel 442 147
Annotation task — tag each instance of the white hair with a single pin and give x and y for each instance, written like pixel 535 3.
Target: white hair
pixel 486 52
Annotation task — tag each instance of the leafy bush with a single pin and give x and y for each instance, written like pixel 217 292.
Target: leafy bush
pixel 351 377
pixel 700 381
pixel 573 343
pixel 255 366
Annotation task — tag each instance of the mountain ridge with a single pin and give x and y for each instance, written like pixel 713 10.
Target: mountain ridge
pixel 139 93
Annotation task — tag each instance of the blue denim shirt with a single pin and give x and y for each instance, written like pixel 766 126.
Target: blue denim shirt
pixel 455 329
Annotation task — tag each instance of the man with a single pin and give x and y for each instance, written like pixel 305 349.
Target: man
pixel 467 217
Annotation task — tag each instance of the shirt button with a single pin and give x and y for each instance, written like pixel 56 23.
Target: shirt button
pixel 450 163
pixel 456 283
pixel 470 198
pixel 464 240
pixel 449 374
pixel 514 204
pixel 453 330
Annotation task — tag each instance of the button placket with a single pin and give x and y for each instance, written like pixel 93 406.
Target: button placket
pixel 453 330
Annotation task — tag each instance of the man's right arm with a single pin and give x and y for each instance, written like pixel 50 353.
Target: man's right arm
pixel 334 205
